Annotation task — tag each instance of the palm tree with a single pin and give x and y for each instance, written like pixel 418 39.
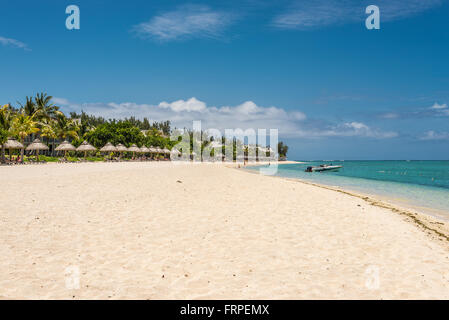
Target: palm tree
pixel 40 108
pixel 47 130
pixel 23 126
pixel 64 127
pixel 44 107
pixel 6 116
pixel 282 150
pixel 29 107
pixel 3 139
pixel 84 126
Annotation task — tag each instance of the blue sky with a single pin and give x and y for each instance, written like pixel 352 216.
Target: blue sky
pixel 311 69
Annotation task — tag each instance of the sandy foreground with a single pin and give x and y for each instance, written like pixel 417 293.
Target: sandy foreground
pixel 164 231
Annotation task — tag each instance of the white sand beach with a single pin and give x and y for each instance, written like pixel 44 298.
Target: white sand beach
pixel 204 231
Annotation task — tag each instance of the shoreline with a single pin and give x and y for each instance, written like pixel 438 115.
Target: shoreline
pixel 262 163
pixel 439 226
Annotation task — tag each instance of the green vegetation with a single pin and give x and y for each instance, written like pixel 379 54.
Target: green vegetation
pixel 69 158
pixel 115 132
pixel 38 117
pixel 3 135
pixel 282 149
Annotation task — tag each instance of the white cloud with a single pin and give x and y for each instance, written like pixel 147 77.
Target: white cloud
pixel 401 9
pixel 190 105
pixel 390 115
pixel 440 109
pixel 436 110
pixel 311 14
pixel 244 116
pixel 14 43
pixel 185 22
pixel 348 129
pixel 361 129
pixel 356 126
pixel 432 135
pixel 319 13
pixel 437 106
pixel 60 101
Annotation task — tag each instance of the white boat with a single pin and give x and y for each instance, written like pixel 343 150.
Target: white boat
pixel 323 167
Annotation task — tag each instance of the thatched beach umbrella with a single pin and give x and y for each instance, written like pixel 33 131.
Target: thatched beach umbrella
pixel 153 150
pixel 133 149
pixel 37 145
pixel 86 147
pixel 159 151
pixel 109 147
pixel 144 149
pixel 121 148
pixel 12 144
pixel 65 146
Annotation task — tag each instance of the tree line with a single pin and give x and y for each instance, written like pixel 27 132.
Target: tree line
pixel 39 117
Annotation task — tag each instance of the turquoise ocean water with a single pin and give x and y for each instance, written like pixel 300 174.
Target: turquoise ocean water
pixel 423 184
